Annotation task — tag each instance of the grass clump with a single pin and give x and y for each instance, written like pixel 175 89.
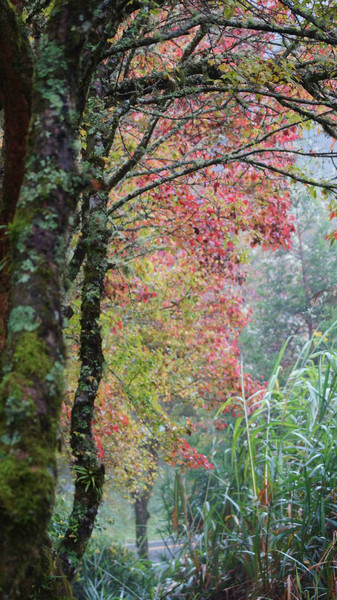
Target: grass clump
pixel 111 572
pixel 264 524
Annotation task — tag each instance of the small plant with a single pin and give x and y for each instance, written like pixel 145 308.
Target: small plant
pixel 87 476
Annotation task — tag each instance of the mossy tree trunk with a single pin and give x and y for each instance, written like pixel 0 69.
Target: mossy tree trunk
pixel 91 250
pixel 89 470
pixel 32 384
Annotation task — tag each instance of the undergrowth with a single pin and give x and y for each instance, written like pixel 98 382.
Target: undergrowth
pixel 263 524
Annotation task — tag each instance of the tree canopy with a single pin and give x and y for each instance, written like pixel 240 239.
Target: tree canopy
pixel 179 121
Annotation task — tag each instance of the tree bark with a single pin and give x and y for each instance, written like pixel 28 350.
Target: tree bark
pixel 92 249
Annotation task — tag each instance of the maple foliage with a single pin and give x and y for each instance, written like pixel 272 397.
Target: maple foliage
pixel 170 320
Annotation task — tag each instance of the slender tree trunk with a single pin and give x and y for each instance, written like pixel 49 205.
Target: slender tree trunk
pixel 92 249
pixel 89 469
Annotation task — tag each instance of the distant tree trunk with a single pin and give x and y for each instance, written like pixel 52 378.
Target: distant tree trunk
pixel 141 502
pixel 142 516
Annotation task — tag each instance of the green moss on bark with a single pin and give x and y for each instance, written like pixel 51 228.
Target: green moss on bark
pixel 31 357
pixel 27 441
pixel 26 489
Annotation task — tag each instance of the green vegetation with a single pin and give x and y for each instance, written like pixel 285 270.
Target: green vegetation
pixel 111 572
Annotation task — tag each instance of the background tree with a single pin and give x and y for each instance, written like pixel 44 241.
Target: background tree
pixel 292 292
